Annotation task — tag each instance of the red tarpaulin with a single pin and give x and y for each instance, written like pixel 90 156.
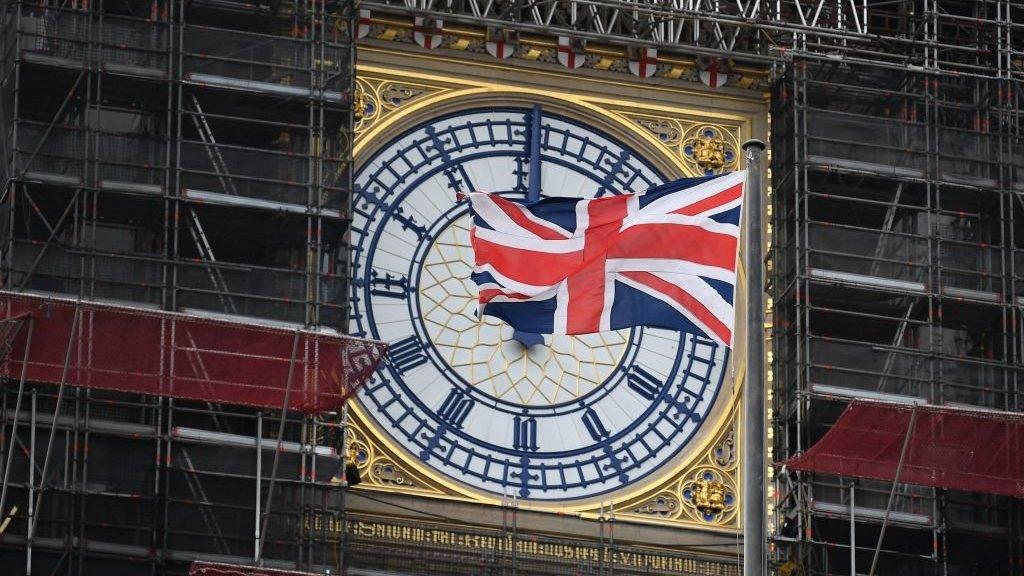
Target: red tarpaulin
pixel 949 448
pixel 184 356
pixel 217 569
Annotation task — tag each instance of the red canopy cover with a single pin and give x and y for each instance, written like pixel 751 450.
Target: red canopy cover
pixel 182 356
pixel 949 448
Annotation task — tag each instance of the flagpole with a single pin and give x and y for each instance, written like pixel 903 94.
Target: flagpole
pixel 754 556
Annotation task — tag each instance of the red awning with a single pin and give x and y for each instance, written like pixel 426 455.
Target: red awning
pixel 182 356
pixel 950 448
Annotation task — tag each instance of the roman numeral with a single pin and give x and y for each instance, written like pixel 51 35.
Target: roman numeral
pixel 389 286
pixel 524 434
pixel 644 383
pixel 409 223
pixel 407 354
pixel 456 407
pixel 594 425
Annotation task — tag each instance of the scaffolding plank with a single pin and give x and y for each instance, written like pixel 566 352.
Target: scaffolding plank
pixel 50 178
pixel 864 280
pixel 132 187
pixel 968 294
pixel 867 167
pixel 857 393
pixel 198 435
pixel 247 202
pixel 258 86
pixel 862 512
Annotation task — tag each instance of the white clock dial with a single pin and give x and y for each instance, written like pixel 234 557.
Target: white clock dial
pixel 566 418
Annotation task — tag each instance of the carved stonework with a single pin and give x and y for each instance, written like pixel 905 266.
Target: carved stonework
pixel 709 495
pixel 396 95
pixel 387 473
pixel 377 98
pixel 711 149
pixel 538 50
pixel 709 153
pixel 663 505
pixel 703 493
pixel 359 104
pixel 667 131
pixel 725 451
pixel 704 148
pixel 380 468
pixel 364 105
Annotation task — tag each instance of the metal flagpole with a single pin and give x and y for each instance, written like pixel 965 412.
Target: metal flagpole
pixel 753 387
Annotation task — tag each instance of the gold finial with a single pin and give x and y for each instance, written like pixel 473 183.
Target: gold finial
pixel 709 496
pixel 359 104
pixel 352 456
pixel 709 152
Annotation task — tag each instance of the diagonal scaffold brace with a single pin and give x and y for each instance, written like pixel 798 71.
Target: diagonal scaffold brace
pixel 262 536
pixel 33 519
pixel 17 404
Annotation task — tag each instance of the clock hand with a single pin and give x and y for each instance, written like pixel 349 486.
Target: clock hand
pixel 533 192
pixel 528 339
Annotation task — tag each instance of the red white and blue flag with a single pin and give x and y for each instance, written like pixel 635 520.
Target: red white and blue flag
pixel 665 258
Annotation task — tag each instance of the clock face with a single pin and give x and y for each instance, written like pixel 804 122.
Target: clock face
pixel 547 418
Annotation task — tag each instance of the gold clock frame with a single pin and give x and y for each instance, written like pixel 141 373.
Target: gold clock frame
pixel 398 89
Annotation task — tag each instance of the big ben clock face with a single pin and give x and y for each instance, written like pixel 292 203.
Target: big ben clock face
pixel 547 418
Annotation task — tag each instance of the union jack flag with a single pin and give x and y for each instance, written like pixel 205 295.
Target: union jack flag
pixel 665 258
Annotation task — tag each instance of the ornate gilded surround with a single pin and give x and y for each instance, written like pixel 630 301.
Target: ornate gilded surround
pixel 682 132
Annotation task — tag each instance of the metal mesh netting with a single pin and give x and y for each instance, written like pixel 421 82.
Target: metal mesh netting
pixel 62 150
pixel 167 354
pixel 948 448
pixel 122 42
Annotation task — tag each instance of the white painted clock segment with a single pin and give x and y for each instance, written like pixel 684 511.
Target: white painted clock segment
pixel 568 419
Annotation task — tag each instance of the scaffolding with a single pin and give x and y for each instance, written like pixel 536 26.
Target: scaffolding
pixel 982 39
pixel 190 162
pixel 166 154
pixel 176 182
pixel 898 229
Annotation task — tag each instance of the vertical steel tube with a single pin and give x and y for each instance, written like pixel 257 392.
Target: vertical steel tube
pixel 853 532
pixel 259 486
pixel 343 495
pixel 753 386
pixel 31 481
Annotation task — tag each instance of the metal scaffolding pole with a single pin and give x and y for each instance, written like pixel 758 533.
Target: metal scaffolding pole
pixel 277 450
pixel 94 209
pixel 17 413
pixel 892 492
pixel 753 386
pixel 72 338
